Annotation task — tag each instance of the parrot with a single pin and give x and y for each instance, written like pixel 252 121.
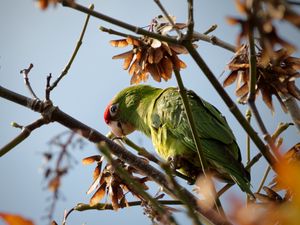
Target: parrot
pixel 160 115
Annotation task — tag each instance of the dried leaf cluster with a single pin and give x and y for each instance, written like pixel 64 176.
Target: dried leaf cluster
pixel 151 56
pixel 107 182
pixel 274 77
pixel 261 15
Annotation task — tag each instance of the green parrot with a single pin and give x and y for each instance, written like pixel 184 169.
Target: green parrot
pixel 160 115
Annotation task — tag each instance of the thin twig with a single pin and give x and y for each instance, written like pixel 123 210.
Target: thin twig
pixel 280 128
pixel 25 73
pixel 167 15
pixel 191 121
pixel 74 54
pixel 105 206
pixel 47 90
pixel 252 90
pixel 26 131
pixel 114 32
pixel 211 29
pixel 263 180
pixel 190 28
pixel 136 186
pixel 248 118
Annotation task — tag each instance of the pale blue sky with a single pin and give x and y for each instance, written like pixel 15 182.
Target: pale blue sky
pixel 47 39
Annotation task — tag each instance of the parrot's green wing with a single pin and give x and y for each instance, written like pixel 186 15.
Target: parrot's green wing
pixel 217 140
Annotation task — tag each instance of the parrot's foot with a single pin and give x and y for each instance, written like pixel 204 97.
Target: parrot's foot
pixel 174 162
pixel 183 166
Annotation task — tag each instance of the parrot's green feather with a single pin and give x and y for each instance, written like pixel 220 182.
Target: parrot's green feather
pixel 160 115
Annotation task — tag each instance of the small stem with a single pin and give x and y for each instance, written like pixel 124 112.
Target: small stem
pixel 114 32
pixel 25 73
pixel 248 118
pixel 280 128
pixel 214 41
pixel 211 29
pixel 263 180
pixel 79 42
pixel 191 121
pixel 26 131
pixel 105 206
pixel 252 90
pixel 190 28
pixel 136 186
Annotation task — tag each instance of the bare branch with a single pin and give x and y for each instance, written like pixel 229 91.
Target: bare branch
pixel 25 73
pixel 26 131
pixel 79 42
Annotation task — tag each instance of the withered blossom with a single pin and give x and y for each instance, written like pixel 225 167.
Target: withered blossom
pixel 274 77
pixel 261 15
pixel 151 56
pixel 107 182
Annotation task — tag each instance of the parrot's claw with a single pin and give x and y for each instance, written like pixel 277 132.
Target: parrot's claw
pixel 174 162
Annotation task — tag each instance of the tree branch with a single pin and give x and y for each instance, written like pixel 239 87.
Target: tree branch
pixel 26 131
pixel 79 42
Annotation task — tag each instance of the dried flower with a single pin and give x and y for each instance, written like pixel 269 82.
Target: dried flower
pixel 274 77
pixel 151 56
pixel 260 15
pixel 108 183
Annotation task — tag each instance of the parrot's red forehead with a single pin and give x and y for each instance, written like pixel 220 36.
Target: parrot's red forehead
pixel 107 114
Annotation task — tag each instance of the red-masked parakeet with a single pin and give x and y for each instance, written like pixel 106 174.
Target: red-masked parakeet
pixel 160 114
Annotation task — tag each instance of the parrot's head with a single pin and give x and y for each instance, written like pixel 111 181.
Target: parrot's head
pixel 120 112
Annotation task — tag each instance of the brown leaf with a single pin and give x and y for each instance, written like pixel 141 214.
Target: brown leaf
pixel 99 194
pixel 127 61
pixel 167 67
pixel 179 49
pixel 14 219
pixel 133 41
pixel 119 43
pixel 54 184
pixel 94 185
pixel 293 90
pixel 242 90
pixel 153 70
pixel 151 55
pixel 230 79
pixel 97 170
pixel 123 55
pixel 267 98
pixel 272 194
pixel 92 159
pixel 158 55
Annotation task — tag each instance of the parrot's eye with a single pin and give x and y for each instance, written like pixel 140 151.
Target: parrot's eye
pixel 113 109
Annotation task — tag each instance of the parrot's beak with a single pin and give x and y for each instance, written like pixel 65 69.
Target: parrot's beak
pixel 120 129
